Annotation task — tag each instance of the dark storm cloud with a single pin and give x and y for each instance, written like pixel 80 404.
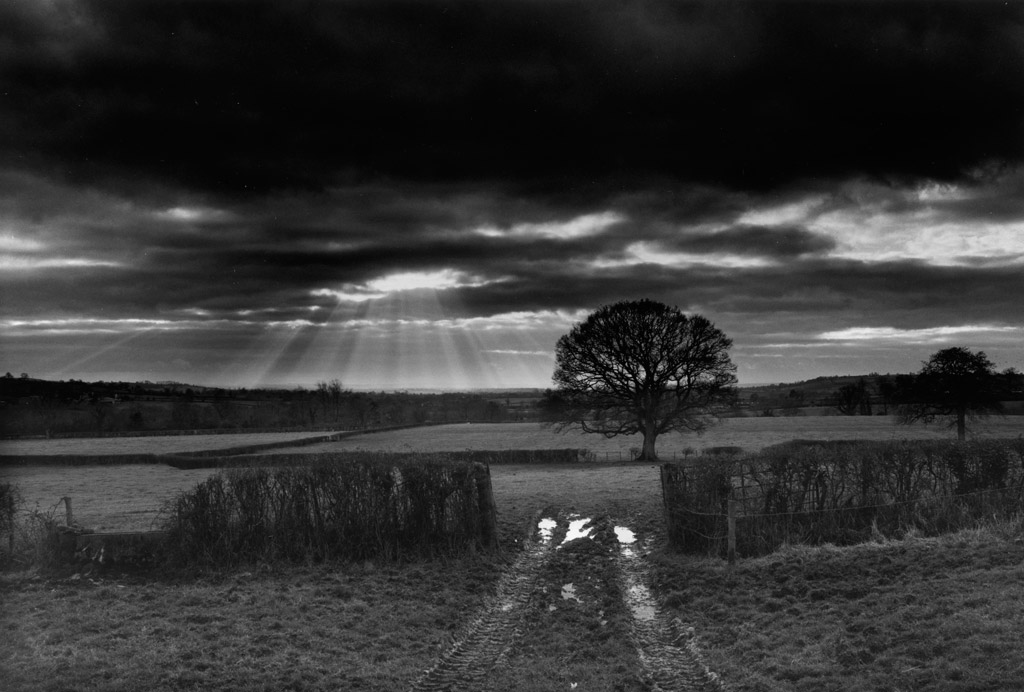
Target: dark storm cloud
pixel 779 243
pixel 268 257
pixel 240 98
pixel 907 294
pixel 783 167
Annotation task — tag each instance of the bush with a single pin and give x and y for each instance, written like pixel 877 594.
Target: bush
pixel 371 509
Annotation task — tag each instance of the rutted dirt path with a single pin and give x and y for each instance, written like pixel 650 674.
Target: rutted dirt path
pixel 491 634
pixel 564 546
pixel 668 652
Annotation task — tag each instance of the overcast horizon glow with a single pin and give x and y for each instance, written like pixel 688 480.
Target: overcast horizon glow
pixel 257 194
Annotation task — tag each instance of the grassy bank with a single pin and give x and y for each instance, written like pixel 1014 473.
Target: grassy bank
pixel 917 614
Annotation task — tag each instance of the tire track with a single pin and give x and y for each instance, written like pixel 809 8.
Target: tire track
pixel 491 634
pixel 667 650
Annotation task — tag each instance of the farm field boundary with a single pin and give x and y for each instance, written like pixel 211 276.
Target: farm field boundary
pixel 749 434
pixel 123 450
pixel 153 448
pixel 505 456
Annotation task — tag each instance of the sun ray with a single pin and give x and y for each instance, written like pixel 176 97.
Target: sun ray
pixel 94 354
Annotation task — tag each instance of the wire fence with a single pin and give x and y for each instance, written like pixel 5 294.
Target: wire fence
pixel 839 493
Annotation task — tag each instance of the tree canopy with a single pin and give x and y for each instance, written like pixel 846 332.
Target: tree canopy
pixel 642 367
pixel 853 399
pixel 955 383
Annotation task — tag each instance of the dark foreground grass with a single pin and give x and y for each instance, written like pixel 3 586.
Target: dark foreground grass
pixel 943 614
pixel 365 627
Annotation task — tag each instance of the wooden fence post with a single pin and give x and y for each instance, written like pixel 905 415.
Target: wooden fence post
pixel 68 514
pixel 663 469
pixel 732 528
pixel 488 510
pixel 10 526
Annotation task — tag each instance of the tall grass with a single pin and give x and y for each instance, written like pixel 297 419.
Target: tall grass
pixel 842 493
pixel 385 509
pixel 28 537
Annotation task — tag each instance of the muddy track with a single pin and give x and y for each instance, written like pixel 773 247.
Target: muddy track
pixel 667 650
pixel 491 634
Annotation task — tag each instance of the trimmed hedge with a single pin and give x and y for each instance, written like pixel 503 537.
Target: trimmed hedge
pixel 385 509
pixel 842 493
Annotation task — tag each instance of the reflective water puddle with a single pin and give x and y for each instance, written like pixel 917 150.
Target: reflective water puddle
pixel 546 528
pixel 625 536
pixel 577 529
pixel 638 597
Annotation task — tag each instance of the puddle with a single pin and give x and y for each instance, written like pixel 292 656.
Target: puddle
pixel 577 530
pixel 569 593
pixel 546 527
pixel 625 536
pixel 638 597
pixel 626 539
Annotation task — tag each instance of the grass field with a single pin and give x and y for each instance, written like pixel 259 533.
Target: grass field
pixel 918 614
pixel 938 614
pixel 752 434
pixel 162 444
pixel 119 497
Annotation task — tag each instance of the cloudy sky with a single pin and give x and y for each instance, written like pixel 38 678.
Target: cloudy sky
pixel 428 194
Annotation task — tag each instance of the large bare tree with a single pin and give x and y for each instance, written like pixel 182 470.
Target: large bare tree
pixel 642 367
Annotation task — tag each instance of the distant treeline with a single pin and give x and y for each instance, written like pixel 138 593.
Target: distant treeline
pixel 48 408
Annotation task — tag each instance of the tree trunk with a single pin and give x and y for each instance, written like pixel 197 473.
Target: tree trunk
pixel 961 425
pixel 650 435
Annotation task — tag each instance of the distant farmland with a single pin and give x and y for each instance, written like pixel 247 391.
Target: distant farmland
pixel 157 444
pixel 752 434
